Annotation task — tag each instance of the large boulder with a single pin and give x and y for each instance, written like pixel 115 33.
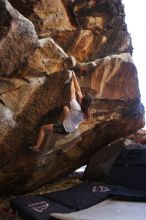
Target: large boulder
pixel 115 116
pixel 89 36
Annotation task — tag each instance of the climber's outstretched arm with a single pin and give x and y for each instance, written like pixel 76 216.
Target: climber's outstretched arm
pixel 72 90
pixel 77 86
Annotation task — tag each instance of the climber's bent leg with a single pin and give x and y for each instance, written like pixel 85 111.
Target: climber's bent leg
pixel 48 128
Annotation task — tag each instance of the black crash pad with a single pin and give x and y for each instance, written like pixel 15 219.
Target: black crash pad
pixel 81 196
pixel 125 194
pixel 37 207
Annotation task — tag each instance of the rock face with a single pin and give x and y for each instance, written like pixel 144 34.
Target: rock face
pixel 39 40
pixel 17 41
pixel 45 15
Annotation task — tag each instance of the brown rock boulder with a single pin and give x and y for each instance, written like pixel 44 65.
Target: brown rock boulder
pixel 27 105
pixel 96 36
pixel 100 163
pixel 115 78
pixel 18 40
pixel 45 15
pixel 101 30
pixel 98 14
pixel 71 151
pixel 113 118
pixel 88 45
pixel 48 58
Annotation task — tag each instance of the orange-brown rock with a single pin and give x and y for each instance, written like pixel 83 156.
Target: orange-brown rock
pixel 48 58
pixel 71 151
pixel 100 14
pixel 113 118
pixel 45 15
pixel 115 78
pixel 92 36
pixel 88 45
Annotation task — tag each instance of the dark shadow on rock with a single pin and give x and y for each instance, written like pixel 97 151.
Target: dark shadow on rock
pixel 5 20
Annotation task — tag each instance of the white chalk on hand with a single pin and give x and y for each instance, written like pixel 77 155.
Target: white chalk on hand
pixel 70 73
pixel 73 59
